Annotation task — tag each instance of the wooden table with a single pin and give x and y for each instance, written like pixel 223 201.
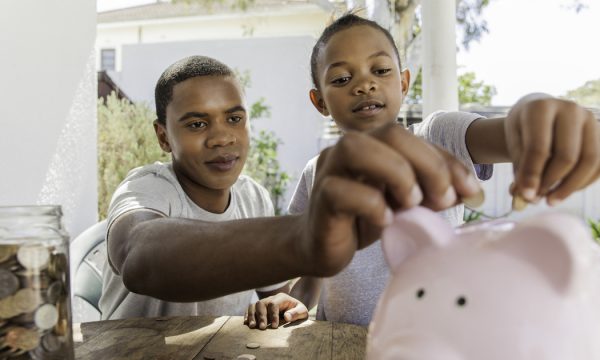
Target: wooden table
pixel 205 338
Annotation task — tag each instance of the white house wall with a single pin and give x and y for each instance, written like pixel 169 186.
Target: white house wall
pixel 48 112
pixel 306 22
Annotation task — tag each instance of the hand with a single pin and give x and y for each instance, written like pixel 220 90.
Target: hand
pixel 554 145
pixel 362 178
pixel 271 308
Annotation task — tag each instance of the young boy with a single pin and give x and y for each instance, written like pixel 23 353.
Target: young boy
pixel 554 145
pixel 180 236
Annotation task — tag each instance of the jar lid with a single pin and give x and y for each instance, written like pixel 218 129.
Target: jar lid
pixel 30 210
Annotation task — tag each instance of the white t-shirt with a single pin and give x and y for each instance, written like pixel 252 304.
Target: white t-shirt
pixel 351 295
pixel 155 187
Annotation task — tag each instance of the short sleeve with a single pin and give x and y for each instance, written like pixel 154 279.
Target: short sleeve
pixel 301 196
pixel 448 130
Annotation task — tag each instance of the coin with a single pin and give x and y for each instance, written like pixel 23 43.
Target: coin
pixel 51 343
pixel 58 266
pixel 6 252
pixel 55 290
pixel 252 345
pixel 26 300
pixel 246 357
pixel 7 308
pixel 22 338
pixel 518 203
pixel 9 283
pixel 34 280
pixel 33 257
pixel 46 316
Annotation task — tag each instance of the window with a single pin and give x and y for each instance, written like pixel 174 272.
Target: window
pixel 107 59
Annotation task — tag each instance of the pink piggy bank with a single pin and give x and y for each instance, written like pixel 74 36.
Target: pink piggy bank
pixel 492 291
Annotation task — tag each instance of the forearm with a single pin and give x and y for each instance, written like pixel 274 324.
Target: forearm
pixel 188 260
pixel 486 141
pixel 307 290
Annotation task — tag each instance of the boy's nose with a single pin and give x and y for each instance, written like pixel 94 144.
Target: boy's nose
pixel 364 86
pixel 220 137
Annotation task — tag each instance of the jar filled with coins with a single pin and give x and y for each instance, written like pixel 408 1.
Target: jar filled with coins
pixel 35 315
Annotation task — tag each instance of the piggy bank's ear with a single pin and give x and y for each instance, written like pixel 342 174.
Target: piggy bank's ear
pixel 411 231
pixel 555 244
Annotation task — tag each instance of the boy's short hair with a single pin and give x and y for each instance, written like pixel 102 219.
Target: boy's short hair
pixel 346 21
pixel 180 71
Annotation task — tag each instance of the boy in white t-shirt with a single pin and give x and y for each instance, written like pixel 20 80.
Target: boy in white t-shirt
pixel 192 237
pixel 554 145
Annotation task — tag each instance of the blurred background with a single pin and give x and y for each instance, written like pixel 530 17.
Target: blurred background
pixel 79 75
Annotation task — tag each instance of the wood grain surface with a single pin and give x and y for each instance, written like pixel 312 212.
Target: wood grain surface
pixel 218 338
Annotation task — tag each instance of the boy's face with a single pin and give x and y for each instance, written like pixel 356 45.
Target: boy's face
pixel 361 85
pixel 206 132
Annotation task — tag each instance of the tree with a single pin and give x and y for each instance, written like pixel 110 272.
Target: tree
pixel 587 95
pixel 470 91
pixel 126 140
pixel 262 164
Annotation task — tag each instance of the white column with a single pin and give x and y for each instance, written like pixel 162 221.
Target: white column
pixel 440 84
pixel 48 114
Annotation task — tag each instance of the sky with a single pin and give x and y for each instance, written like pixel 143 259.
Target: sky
pixel 536 45
pixel 532 46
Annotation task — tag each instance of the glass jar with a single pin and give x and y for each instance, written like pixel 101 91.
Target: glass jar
pixel 35 315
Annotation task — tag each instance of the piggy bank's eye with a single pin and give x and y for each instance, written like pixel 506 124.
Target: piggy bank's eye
pixel 461 301
pixel 420 293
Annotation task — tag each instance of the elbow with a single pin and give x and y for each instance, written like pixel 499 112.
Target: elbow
pixel 135 277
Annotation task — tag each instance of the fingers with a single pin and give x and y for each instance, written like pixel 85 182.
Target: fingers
pixel 464 183
pixel 360 157
pixel 298 312
pixel 273 314
pixel 405 165
pixel 587 163
pixel 249 317
pixel 261 314
pixel 565 149
pixel 536 148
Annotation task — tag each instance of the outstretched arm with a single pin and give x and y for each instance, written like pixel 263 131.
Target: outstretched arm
pixel 554 145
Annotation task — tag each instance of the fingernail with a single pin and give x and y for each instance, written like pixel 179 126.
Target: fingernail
pixel 388 218
pixel 474 201
pixel 287 316
pixel 472 184
pixel 416 195
pixel 449 197
pixel 529 194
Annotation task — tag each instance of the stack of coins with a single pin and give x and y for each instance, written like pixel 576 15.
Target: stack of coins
pixel 34 316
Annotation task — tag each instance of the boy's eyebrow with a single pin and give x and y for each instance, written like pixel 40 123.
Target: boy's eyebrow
pixel 377 54
pixel 195 114
pixel 235 109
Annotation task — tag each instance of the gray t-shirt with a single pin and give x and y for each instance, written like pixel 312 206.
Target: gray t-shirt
pixel 155 188
pixel 351 295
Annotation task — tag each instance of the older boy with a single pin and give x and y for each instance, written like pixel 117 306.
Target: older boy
pixel 180 238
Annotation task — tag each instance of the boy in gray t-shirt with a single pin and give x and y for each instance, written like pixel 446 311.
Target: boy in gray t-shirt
pixel 192 236
pixel 358 81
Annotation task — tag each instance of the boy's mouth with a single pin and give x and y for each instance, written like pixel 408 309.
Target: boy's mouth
pixel 368 107
pixel 223 162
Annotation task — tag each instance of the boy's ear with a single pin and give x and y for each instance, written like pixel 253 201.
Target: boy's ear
pixel 161 135
pixel 405 79
pixel 317 101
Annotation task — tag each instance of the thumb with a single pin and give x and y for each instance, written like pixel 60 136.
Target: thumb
pixel 296 313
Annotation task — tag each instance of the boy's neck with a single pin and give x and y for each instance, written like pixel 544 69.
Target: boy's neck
pixel 212 200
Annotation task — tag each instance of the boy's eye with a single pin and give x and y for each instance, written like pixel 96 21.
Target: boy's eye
pixel 341 80
pixel 383 71
pixel 235 119
pixel 197 125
